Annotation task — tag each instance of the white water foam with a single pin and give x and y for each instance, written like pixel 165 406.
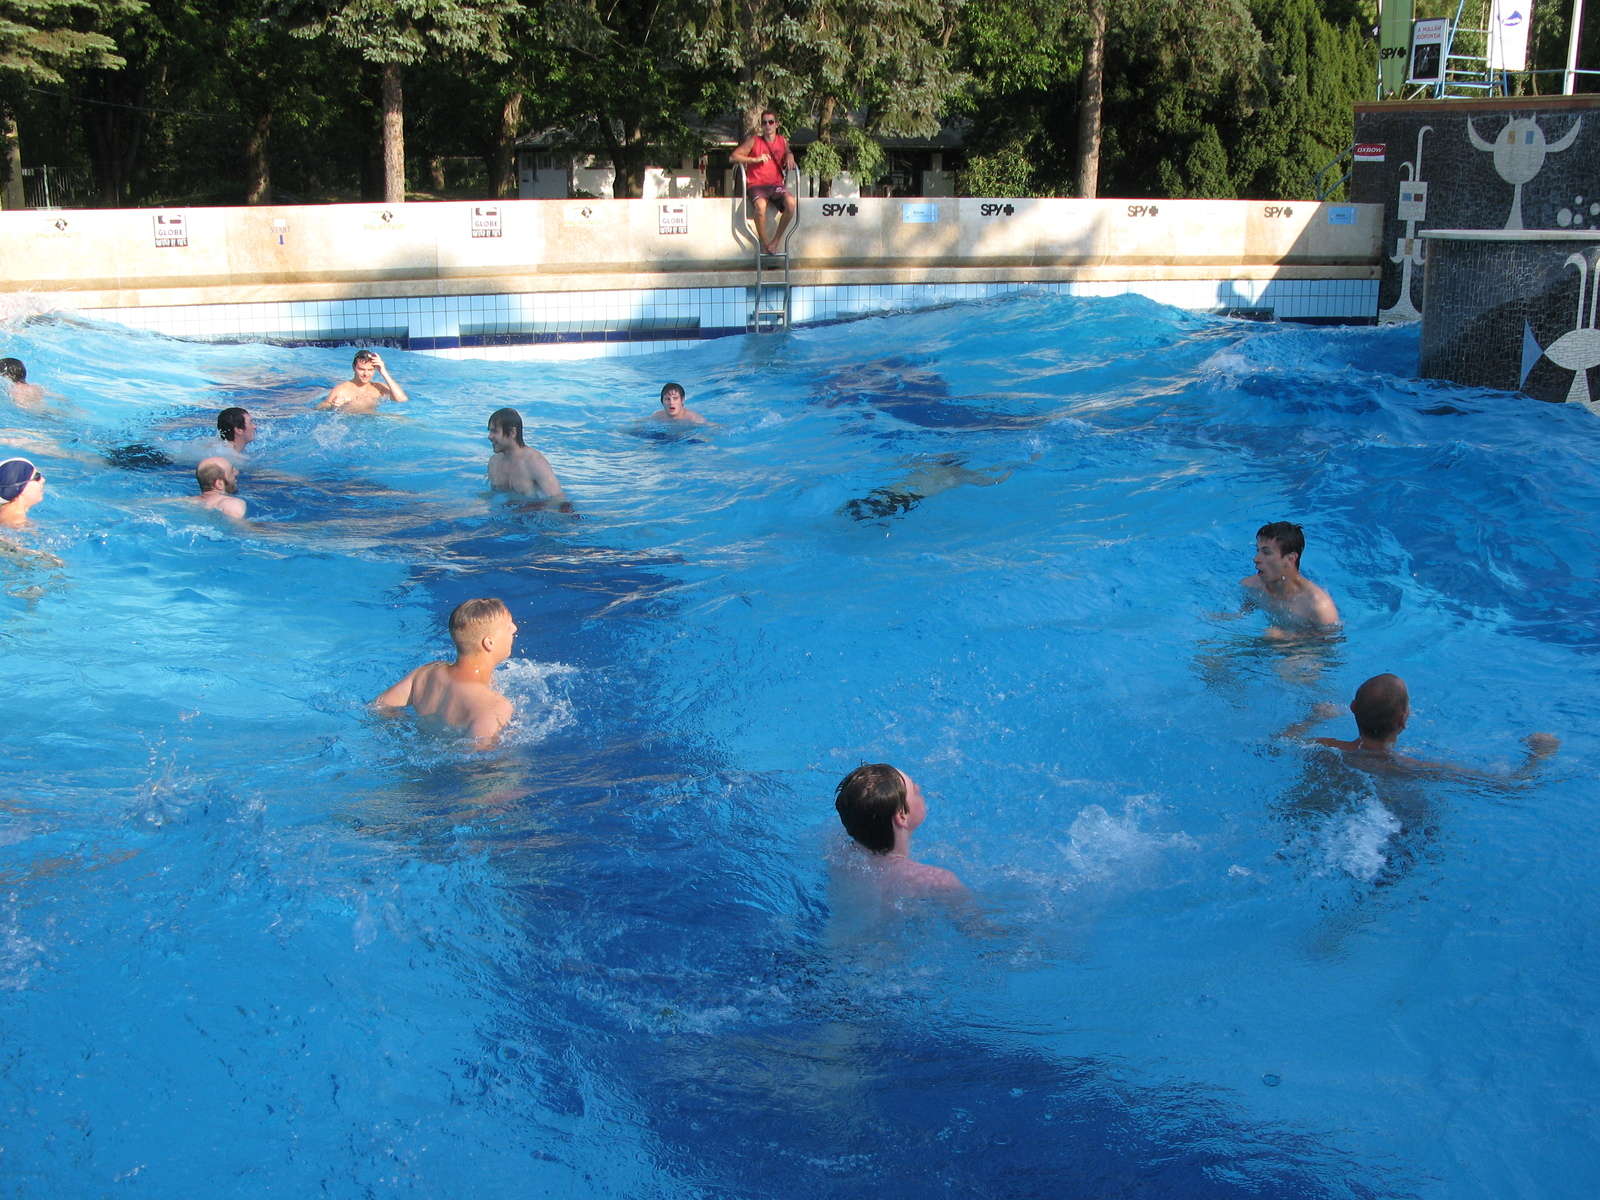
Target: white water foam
pixel 541 709
pixel 1353 841
pixel 1106 846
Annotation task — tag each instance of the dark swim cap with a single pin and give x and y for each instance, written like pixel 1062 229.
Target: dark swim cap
pixel 15 474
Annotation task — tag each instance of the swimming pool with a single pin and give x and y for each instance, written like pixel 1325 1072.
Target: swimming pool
pixel 256 941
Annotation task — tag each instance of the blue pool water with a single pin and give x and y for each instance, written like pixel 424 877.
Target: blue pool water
pixel 255 941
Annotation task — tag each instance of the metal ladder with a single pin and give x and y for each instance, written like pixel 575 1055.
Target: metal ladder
pixel 771 311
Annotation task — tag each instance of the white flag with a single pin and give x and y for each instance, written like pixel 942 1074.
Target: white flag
pixel 1508 34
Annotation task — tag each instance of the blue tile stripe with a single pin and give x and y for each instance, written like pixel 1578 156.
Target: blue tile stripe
pixel 599 323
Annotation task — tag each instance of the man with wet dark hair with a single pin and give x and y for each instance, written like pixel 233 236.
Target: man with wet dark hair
pixel 359 393
pixel 880 808
pixel 1382 708
pixel 14 373
pixel 1293 602
pixel 236 427
pixel 674 406
pixel 516 466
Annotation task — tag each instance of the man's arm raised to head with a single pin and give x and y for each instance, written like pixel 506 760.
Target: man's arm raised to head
pixel 396 392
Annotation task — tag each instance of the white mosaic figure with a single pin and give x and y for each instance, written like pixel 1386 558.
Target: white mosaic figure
pixel 1519 150
pixel 1413 208
pixel 1579 349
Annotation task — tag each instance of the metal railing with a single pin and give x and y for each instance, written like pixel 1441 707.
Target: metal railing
pixel 771 310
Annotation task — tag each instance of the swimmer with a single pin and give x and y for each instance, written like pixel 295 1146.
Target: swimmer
pixel 672 406
pixel 517 467
pixel 1382 707
pixel 461 694
pixel 359 394
pixel 1293 602
pixel 237 429
pixel 219 486
pixel 21 487
pixel 880 808
pixel 23 392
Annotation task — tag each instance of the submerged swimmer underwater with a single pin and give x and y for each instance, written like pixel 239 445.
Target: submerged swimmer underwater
pixel 258 939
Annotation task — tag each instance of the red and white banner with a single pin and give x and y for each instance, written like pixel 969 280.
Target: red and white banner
pixel 1370 151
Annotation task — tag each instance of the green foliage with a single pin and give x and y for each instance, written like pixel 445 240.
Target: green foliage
pixel 38 38
pixel 403 31
pixel 822 161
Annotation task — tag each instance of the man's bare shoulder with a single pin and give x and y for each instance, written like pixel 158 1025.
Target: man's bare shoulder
pixel 1253 582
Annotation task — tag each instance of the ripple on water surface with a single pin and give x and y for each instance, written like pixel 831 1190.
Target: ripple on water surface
pixel 256 940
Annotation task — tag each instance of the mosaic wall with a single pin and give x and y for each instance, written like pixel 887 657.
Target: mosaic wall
pixel 1472 164
pixel 1517 313
pixel 602 324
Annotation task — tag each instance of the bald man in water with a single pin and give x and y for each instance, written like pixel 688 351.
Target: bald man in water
pixel 1382 708
pixel 219 486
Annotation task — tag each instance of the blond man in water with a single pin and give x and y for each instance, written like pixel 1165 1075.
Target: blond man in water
pixel 461 694
pixel 360 393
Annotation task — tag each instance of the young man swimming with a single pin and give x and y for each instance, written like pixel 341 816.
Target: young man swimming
pixel 15 374
pixel 1382 708
pixel 359 394
pixel 673 407
pixel 881 808
pixel 1294 604
pixel 21 487
pixel 516 466
pixel 461 694
pixel 237 429
pixel 219 486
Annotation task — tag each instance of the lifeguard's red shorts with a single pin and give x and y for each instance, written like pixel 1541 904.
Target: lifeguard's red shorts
pixel 771 191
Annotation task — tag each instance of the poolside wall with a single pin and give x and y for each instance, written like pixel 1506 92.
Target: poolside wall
pixel 521 278
pixel 1535 164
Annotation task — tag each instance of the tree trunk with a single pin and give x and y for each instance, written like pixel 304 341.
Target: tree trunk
pixel 258 174
pixel 11 169
pixel 1091 100
pixel 505 159
pixel 394 136
pixel 825 136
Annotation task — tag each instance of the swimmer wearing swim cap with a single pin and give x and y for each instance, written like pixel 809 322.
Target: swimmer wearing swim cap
pixel 21 487
pixel 219 486
pixel 881 807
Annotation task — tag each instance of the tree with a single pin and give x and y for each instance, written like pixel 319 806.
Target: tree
pixel 38 39
pixel 399 33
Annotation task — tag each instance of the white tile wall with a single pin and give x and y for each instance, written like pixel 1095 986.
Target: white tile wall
pixel 654 315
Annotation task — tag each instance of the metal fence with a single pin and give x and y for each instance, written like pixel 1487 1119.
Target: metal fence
pixel 52 187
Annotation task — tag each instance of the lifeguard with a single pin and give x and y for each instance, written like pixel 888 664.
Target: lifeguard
pixel 767 159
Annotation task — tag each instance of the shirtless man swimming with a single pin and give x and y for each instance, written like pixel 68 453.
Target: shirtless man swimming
pixel 673 406
pixel 517 467
pixel 1293 603
pixel 15 373
pixel 21 487
pixel 237 430
pixel 359 394
pixel 219 486
pixel 1382 708
pixel 880 808
pixel 461 694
